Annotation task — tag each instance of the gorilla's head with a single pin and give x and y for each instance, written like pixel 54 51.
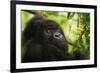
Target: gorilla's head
pixel 45 31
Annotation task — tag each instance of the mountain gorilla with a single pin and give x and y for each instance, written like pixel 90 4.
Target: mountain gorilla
pixel 44 40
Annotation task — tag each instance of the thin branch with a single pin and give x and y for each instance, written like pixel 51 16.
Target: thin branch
pixel 34 12
pixel 73 44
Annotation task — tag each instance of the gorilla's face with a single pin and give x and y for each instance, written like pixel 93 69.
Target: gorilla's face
pixel 45 31
pixel 53 33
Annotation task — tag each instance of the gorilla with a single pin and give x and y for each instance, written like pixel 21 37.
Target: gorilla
pixel 44 40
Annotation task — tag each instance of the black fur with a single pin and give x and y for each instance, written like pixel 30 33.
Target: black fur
pixel 43 45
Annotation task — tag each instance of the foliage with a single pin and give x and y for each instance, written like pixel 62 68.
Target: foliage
pixel 75 25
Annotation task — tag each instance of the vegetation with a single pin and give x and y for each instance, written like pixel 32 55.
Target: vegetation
pixel 75 25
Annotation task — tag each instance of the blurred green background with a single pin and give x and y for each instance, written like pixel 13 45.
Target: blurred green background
pixel 75 25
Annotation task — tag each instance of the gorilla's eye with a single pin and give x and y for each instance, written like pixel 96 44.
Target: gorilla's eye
pixel 47 33
pixel 58 35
